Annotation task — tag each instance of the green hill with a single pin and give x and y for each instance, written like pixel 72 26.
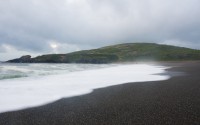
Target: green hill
pixel 119 53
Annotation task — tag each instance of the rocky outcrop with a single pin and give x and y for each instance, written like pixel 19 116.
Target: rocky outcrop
pixel 23 59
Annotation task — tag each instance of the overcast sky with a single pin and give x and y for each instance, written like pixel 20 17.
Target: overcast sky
pixel 60 26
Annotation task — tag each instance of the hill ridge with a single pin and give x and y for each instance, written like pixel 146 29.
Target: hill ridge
pixel 126 52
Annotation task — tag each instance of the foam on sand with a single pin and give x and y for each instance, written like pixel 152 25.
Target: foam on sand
pixel 23 93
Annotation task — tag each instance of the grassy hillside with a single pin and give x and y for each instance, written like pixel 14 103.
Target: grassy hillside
pixel 124 53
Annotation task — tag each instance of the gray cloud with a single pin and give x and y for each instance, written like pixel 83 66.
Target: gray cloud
pixel 30 26
pixel 2 49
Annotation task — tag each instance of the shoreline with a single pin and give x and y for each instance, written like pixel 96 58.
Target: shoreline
pixel 33 92
pixel 173 101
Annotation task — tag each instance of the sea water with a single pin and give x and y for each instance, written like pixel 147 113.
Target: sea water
pixel 29 85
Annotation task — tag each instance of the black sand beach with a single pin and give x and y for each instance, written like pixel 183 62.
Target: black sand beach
pixel 172 102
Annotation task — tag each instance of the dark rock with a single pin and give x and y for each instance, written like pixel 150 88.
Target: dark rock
pixel 23 59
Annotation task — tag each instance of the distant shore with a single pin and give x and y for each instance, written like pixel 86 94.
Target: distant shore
pixel 174 101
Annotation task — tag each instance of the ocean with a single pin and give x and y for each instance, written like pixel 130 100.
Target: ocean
pixel 30 85
pixel 21 70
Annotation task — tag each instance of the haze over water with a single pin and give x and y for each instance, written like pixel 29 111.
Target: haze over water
pixel 29 85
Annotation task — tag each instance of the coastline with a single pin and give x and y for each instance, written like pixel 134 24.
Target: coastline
pixel 173 101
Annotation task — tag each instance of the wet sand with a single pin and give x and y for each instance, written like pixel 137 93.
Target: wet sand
pixel 171 102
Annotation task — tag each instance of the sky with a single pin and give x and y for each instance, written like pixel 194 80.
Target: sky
pixel 37 27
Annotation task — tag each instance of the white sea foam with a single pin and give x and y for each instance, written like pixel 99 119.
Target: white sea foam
pixel 18 70
pixel 23 93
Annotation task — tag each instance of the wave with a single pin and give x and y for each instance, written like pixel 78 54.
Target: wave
pixel 2 77
pixel 13 71
pixel 18 94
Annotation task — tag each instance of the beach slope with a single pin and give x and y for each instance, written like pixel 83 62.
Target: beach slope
pixel 174 101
